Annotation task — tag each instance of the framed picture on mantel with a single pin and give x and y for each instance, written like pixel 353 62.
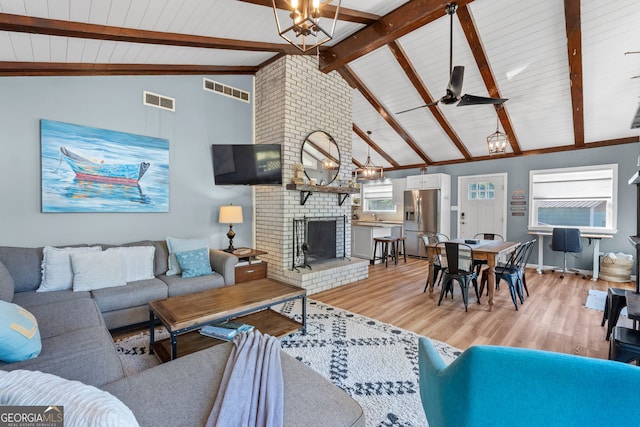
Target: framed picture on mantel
pixel 86 169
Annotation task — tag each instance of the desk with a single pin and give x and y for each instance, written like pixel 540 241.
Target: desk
pixel 487 250
pixel 596 248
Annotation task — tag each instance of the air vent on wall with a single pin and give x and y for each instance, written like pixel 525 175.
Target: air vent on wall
pixel 636 120
pixel 226 90
pixel 158 101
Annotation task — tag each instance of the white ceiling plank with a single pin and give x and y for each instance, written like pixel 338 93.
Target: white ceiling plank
pixel 7 52
pixel 13 7
pixel 57 9
pixel 118 12
pixel 79 10
pixel 21 45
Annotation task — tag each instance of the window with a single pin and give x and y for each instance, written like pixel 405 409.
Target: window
pixel 378 198
pixel 481 190
pixel 581 197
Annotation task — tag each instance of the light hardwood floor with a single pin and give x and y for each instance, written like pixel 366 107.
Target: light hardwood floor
pixel 552 318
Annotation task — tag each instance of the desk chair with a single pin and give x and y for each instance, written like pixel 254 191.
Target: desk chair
pixel 566 240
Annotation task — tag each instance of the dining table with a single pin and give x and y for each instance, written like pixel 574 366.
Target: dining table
pixel 489 250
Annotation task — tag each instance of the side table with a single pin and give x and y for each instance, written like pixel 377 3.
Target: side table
pixel 250 267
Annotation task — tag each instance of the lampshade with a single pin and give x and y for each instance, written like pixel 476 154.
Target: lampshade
pixel 230 214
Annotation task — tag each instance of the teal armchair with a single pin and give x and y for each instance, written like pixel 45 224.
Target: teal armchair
pixel 505 386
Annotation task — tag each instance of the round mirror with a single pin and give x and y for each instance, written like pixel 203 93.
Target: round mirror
pixel 320 157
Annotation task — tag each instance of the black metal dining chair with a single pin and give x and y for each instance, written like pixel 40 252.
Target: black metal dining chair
pixel 459 267
pixel 512 272
pixel 478 263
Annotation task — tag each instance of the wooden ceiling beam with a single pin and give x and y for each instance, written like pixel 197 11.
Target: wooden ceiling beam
pixel 355 162
pixel 551 150
pixel 477 48
pixel 56 27
pixel 355 82
pixel 397 23
pixel 574 53
pixel 402 58
pixel 327 11
pixel 92 69
pixel 375 146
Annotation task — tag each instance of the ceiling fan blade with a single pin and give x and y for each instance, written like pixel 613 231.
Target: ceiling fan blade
pixel 455 82
pixel 431 104
pixel 479 100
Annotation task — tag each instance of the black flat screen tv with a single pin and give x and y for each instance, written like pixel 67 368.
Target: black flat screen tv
pixel 247 164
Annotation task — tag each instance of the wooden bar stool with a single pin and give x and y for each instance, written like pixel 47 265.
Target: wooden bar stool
pixel 388 248
pixel 400 241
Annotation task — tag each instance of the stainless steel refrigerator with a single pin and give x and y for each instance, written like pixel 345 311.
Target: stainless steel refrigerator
pixel 421 216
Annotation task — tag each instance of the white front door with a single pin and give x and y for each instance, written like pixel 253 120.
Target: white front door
pixel 482 205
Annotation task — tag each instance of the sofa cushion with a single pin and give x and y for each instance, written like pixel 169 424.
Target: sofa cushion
pixel 131 295
pixel 86 355
pixel 62 317
pixel 19 333
pixel 97 270
pixel 138 261
pixel 194 263
pixel 309 398
pixel 84 405
pixel 181 245
pixel 24 264
pixel 161 264
pixel 179 286
pixel 7 285
pixel 32 298
pixel 57 273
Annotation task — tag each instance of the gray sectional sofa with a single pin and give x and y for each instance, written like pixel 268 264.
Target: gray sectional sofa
pixel 77 345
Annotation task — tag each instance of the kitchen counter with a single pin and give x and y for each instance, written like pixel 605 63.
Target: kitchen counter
pixel 377 223
pixel 363 233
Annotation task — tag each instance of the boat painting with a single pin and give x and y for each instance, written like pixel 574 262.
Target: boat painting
pixel 86 169
pixel 114 173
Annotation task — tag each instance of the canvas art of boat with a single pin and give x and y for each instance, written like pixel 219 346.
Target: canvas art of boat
pixel 112 173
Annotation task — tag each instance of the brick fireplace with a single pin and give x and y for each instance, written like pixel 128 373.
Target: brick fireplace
pixel 293 99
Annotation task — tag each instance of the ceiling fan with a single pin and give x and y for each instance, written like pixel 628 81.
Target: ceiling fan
pixel 455 80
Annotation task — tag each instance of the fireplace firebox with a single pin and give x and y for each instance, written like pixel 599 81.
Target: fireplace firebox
pixel 317 239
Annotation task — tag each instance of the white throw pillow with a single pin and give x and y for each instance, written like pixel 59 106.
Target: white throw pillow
pixel 57 274
pixel 84 405
pixel 97 270
pixel 182 245
pixel 138 261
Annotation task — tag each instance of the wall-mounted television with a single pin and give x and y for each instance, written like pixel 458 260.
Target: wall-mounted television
pixel 247 164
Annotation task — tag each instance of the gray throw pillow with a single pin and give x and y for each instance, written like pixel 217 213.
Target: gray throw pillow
pixel 7 286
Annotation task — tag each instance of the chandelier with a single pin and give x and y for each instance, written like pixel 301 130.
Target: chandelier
pixel 497 142
pixel 368 170
pixel 304 29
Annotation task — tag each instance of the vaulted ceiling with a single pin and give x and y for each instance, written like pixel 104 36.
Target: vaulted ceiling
pixel 570 69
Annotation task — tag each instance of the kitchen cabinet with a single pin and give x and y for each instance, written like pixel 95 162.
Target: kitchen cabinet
pixel 399 185
pixel 428 181
pixel 362 236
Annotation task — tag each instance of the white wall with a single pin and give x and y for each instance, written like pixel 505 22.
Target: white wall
pixel 115 103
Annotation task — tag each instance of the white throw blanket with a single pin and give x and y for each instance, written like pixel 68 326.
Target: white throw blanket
pixel 251 390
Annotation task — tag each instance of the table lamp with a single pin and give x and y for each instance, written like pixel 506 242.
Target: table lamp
pixel 230 215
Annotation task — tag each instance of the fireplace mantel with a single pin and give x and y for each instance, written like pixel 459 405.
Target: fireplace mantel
pixel 308 190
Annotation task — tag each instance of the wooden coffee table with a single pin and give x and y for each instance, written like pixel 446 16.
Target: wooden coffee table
pixel 247 302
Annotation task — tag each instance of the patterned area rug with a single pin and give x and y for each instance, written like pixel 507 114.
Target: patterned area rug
pixel 376 363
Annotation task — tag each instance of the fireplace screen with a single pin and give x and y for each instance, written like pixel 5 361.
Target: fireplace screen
pixel 317 239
